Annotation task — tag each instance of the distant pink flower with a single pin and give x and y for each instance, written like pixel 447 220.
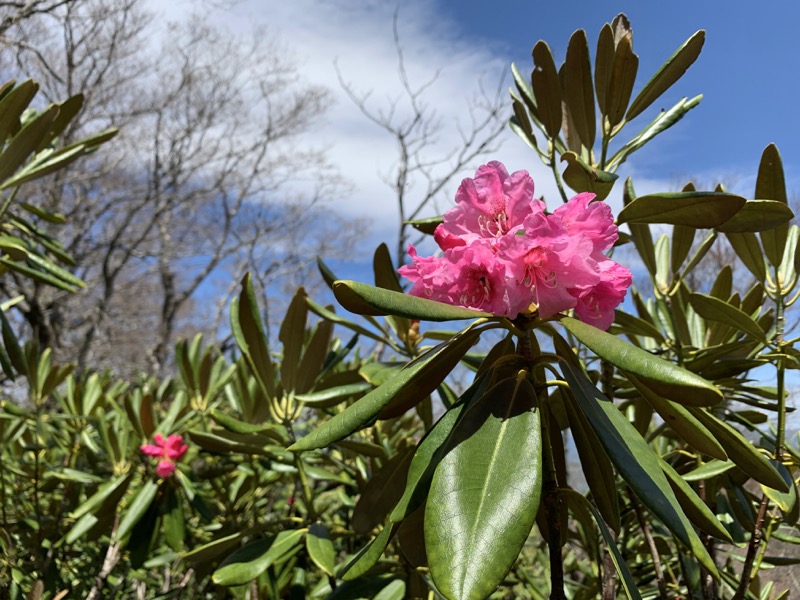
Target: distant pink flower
pixel 502 253
pixel 169 451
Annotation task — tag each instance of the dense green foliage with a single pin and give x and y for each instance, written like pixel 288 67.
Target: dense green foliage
pixel 342 461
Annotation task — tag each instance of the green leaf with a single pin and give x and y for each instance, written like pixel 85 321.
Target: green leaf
pixel 785 501
pixel 627 580
pixel 427 225
pixel 682 422
pixel 578 90
pixel 620 84
pixel 748 249
pixel 12 105
pixel 248 331
pixel 696 209
pixel 174 523
pixel 249 561
pixel 546 88
pixel 682 240
pixel 292 335
pixel 664 378
pixel 714 309
pixel 427 455
pixel 603 63
pixel 771 185
pixel 382 491
pixel 584 178
pixel 369 555
pixel 709 470
pixel 758 215
pixel 636 463
pixel 661 123
pixel 741 451
pixel 415 381
pixel 485 492
pixel 137 508
pixel 320 548
pixel 331 316
pixel 209 552
pixel 332 396
pixel 672 70
pixel 595 464
pixel 363 299
pixel 25 142
pixel 694 507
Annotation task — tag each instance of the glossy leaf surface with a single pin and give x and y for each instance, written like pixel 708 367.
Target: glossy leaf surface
pixel 485 493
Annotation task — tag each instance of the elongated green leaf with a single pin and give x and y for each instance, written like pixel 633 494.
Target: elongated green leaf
pixel 331 316
pixel 578 90
pixel 144 498
pixel 25 142
pixel 364 299
pixel 292 335
pixel 249 561
pixel 585 178
pixel 603 63
pixel 320 548
pixel 664 378
pixel 212 550
pixel 485 493
pixel 248 331
pixel 741 452
pixel 714 309
pixel 682 240
pixel 12 106
pixel 672 70
pixel 427 225
pixel 748 249
pixel 415 381
pixel 173 520
pixel 758 215
pixel 694 507
pixel 696 209
pixel 635 326
pixel 709 470
pixel 785 501
pixel 661 123
pixel 546 88
pixel 334 395
pixel 627 580
pixel 381 493
pixel 623 76
pixel 369 555
pixel 430 451
pixel 635 461
pixel 595 463
pixel 682 422
pixel 771 185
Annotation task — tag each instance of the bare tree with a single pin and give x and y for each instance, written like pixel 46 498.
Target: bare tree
pixel 414 124
pixel 208 177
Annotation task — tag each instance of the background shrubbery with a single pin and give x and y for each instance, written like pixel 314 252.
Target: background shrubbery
pixel 677 502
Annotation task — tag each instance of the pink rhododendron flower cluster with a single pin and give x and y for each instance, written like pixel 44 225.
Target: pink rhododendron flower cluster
pixel 169 451
pixel 503 254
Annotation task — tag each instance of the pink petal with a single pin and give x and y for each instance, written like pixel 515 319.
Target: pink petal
pixel 165 469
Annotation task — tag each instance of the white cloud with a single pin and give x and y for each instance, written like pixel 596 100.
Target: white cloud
pixel 358 37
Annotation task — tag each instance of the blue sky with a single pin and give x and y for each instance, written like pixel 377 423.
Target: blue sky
pixel 748 73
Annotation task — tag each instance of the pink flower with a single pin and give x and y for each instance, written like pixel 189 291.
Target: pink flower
pixel 502 253
pixel 489 206
pixel 169 451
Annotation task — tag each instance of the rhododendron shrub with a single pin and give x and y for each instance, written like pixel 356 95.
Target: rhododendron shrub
pixel 503 253
pixel 169 451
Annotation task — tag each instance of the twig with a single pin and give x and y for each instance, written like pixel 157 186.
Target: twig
pixel 651 544
pixel 752 548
